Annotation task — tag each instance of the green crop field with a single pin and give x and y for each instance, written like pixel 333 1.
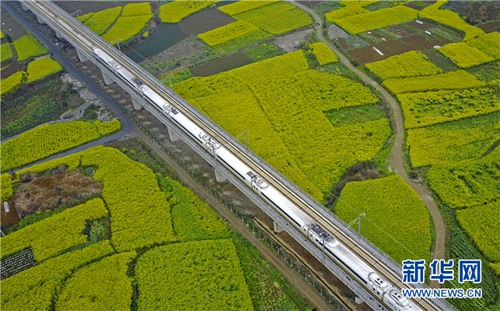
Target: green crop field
pixel 227 33
pixel 409 64
pixel 469 183
pixel 126 27
pixel 41 68
pixel 460 79
pixel 286 119
pixel 276 18
pixel 430 108
pixel 488 43
pixel 359 23
pixel 12 82
pixel 27 46
pixel 175 11
pixel 133 9
pixel 396 219
pixel 465 55
pixel 243 6
pixel 323 53
pixel 455 141
pixel 63 230
pixel 106 284
pixel 100 21
pixel 6 52
pixel 197 264
pixel 349 8
pixel 6 184
pixel 49 139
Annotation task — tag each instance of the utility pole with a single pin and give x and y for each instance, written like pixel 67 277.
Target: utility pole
pixel 358 219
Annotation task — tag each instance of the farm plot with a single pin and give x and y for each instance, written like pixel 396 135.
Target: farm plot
pixel 468 184
pixel 349 8
pixel 227 33
pixel 449 18
pixel 377 19
pixel 100 21
pixel 396 219
pixel 430 108
pixel 27 46
pixel 191 217
pixel 175 11
pixel 488 43
pixel 409 64
pixel 323 53
pixel 460 79
pixel 49 139
pixel 481 223
pixel 63 230
pixel 292 120
pixel 33 289
pixel 6 184
pixel 41 68
pixel 101 285
pixel 243 6
pixel 465 55
pixel 455 141
pixel 276 18
pixel 12 82
pixel 126 183
pixel 199 265
pixel 126 27
pixel 6 52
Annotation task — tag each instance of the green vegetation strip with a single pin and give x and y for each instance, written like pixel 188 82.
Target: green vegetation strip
pixel 465 55
pixel 49 139
pixel 175 11
pixel 27 46
pixel 323 53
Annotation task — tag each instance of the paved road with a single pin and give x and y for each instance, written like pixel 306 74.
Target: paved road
pixel 396 157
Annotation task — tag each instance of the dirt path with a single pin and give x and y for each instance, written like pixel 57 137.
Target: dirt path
pixel 238 226
pixel 396 156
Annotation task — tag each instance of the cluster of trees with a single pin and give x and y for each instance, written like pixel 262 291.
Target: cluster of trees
pixel 52 236
pixel 49 139
pixel 204 286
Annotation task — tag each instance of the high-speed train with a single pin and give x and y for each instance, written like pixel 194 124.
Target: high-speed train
pixel 324 240
pixel 358 269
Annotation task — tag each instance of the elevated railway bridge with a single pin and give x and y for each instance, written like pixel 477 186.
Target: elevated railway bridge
pixel 86 42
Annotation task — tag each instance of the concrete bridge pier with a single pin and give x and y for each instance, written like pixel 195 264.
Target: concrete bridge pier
pixel 219 177
pixel 277 228
pixel 81 56
pixel 358 300
pixel 172 135
pixel 137 103
pixel 108 80
pixel 40 20
pixel 25 8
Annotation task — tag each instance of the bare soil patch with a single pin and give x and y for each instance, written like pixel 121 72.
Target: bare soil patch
pixel 204 21
pixel 394 47
pixel 223 64
pixel 40 194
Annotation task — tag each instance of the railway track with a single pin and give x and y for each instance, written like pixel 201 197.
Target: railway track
pixel 383 270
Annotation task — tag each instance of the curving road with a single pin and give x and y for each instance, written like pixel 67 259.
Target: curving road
pixel 396 156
